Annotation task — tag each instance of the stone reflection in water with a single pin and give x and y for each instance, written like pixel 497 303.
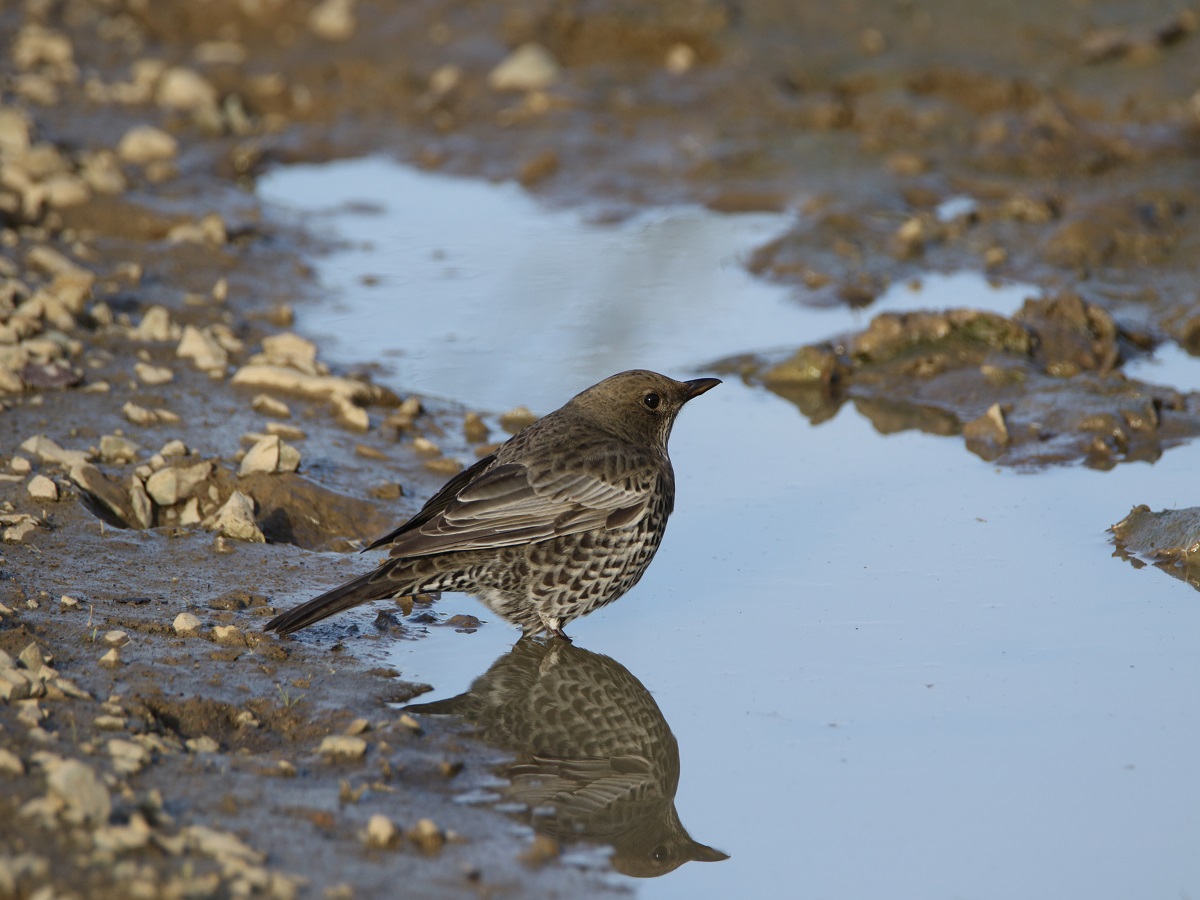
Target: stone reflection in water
pixel 595 759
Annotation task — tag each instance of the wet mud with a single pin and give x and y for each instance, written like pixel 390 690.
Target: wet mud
pixel 175 465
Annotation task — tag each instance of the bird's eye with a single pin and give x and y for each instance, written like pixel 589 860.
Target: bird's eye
pixel 659 853
pixel 652 400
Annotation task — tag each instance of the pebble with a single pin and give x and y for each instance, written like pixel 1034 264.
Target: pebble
pixel 229 634
pixel 343 746
pixel 381 831
pixel 530 67
pixel 426 835
pixel 289 432
pixel 20 465
pixel 68 602
pixel 171 484
pixel 139 503
pixel 288 380
pixel 42 488
pixel 84 796
pixel 145 143
pixel 17 528
pixel 140 415
pixel 109 723
pixel 49 452
pixel 270 454
pixel 111 659
pixel 174 447
pixel 156 325
pixel 475 430
pixel 333 20
pixel 186 624
pixel 202 349
pixel 185 89
pixel 236 520
pixel 10 763
pixel 202 744
pixel 351 415
pixel 116 448
pixel 516 419
pixel 116 638
pixel 269 406
pixel 153 375
pixel 128 757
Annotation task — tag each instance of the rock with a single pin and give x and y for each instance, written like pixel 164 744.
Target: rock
pixel 42 488
pixel 187 90
pixel 169 485
pixel 139 503
pixel 343 746
pixel 186 624
pixel 287 432
pixel 20 465
pixel 155 326
pixel 140 415
pixel 380 831
pixel 153 375
pixel 209 229
pixel 332 20
pixel 11 765
pixel 174 447
pixel 202 744
pixel 530 67
pixel 65 190
pixel 426 835
pixel 105 491
pixel 270 454
pixel 111 659
pixel 229 634
pixel 116 448
pixel 85 799
pixel 288 380
pixel 17 528
pixel 516 419
pixel 236 520
pixel 351 415
pixel 15 132
pixel 190 514
pixel 68 602
pixel 475 430
pixel 116 638
pixel 202 349
pixel 48 451
pixel 987 436
pixel 145 143
pixel 269 406
pixel 128 757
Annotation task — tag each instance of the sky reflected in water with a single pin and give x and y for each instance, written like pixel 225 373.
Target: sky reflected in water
pixel 891 669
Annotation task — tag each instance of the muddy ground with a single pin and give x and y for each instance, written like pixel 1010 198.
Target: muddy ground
pixel 167 447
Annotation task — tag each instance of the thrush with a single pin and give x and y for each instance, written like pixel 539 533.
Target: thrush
pixel 561 520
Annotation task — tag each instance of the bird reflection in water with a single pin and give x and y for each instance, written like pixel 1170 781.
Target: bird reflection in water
pixel 596 760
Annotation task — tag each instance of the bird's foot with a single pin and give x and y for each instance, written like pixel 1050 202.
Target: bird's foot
pixel 559 633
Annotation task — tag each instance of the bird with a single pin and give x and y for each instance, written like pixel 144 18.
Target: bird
pixel 562 519
pixel 595 759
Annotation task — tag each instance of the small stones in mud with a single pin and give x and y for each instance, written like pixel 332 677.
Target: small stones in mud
pixel 17 527
pixel 48 451
pixel 269 406
pixel 381 832
pixel 236 520
pixel 531 67
pixel 10 763
pixel 116 638
pixel 171 484
pixel 156 326
pixel 20 465
pixel 202 744
pixel 186 90
pixel 128 757
pixel 114 448
pixel 270 454
pixel 343 746
pixel 42 488
pixel 186 624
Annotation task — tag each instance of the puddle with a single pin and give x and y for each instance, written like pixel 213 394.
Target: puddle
pixel 867 647
pixel 1169 364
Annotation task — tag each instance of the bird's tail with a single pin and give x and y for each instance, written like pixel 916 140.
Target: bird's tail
pixel 367 587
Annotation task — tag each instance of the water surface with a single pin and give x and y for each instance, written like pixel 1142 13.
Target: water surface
pixel 891 669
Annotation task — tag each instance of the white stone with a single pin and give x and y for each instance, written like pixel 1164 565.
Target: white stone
pixel 49 452
pixel 185 89
pixel 236 520
pixel 332 20
pixel 171 484
pixel 530 67
pixel 85 798
pixel 153 375
pixel 343 746
pixel 186 624
pixel 288 380
pixel 145 143
pixel 381 832
pixel 202 349
pixel 42 488
pixel 155 325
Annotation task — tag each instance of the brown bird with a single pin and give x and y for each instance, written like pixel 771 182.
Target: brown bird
pixel 561 520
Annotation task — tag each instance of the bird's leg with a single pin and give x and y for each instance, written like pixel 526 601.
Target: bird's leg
pixel 559 633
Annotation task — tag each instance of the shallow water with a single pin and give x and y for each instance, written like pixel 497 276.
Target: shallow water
pixel 892 670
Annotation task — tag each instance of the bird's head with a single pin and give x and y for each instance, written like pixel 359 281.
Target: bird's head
pixel 639 405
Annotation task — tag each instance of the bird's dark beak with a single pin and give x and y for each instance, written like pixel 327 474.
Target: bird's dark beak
pixel 698 386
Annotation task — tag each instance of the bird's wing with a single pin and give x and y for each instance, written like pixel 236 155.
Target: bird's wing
pixel 517 503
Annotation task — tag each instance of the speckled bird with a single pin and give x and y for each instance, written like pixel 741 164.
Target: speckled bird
pixel 561 520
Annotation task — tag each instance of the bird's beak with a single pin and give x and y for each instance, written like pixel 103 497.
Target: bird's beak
pixel 698 386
